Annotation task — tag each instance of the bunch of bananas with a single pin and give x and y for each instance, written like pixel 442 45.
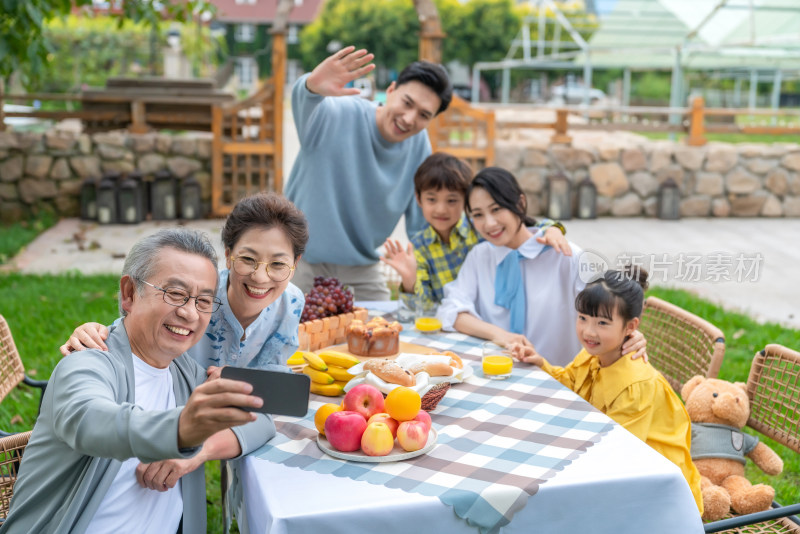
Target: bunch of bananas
pixel 327 371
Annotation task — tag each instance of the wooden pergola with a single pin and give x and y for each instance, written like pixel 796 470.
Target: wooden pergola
pixel 247 150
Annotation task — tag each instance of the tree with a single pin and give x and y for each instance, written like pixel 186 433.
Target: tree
pixel 479 30
pixel 387 28
pixel 89 50
pixel 24 46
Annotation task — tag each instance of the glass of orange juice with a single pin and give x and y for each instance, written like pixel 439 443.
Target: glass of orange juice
pixel 425 317
pixel 496 361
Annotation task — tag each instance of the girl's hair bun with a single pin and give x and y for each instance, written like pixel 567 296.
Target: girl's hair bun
pixel 635 273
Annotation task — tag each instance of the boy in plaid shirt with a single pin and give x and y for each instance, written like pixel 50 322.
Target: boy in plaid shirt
pixel 435 254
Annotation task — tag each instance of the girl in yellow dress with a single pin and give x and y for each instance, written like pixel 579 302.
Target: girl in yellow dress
pixel 631 392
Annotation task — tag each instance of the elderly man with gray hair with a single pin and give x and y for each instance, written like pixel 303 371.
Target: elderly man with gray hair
pixel 111 419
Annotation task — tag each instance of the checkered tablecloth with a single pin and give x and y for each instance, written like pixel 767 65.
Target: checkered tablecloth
pixel 498 440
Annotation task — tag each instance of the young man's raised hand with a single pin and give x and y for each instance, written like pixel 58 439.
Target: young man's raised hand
pixel 330 77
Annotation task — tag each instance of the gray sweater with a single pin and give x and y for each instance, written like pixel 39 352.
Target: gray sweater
pixel 89 425
pixel 352 184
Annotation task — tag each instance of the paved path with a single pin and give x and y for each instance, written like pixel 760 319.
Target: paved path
pixel 749 265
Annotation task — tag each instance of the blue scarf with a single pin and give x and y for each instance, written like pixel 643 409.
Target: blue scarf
pixel 509 289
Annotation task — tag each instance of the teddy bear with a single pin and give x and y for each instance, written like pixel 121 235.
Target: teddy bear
pixel 718 410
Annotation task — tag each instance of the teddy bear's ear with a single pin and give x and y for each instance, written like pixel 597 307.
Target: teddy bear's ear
pixel 689 386
pixel 741 385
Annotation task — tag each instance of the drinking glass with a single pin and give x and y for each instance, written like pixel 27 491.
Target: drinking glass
pixel 406 307
pixel 496 361
pixel 426 321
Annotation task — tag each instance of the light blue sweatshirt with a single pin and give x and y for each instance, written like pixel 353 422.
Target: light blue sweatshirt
pixel 352 184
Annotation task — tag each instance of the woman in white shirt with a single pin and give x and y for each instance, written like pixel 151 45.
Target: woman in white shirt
pixel 511 288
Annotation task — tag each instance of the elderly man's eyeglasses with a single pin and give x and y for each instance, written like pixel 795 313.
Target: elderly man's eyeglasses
pixel 175 296
pixel 278 271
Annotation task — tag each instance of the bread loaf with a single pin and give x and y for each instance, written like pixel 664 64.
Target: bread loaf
pixel 432 368
pixel 390 372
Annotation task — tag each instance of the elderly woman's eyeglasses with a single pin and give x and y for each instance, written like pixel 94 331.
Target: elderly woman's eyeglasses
pixel 278 271
pixel 175 296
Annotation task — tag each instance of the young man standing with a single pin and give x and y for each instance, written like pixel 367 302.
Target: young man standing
pixel 353 177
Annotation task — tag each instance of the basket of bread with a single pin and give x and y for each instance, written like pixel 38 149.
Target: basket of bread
pixel 430 375
pixel 332 330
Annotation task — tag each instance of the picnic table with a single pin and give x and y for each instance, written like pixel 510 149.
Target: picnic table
pixel 519 455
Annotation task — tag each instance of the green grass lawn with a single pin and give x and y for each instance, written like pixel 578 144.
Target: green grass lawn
pixel 43 310
pixel 734 138
pixel 15 236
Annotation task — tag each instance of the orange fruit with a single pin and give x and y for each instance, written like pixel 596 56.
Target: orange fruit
pixel 322 414
pixel 403 403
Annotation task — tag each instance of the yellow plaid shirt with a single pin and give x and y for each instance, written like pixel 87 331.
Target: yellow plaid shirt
pixel 438 264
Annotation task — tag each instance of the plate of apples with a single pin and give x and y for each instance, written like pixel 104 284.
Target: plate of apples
pixel 367 428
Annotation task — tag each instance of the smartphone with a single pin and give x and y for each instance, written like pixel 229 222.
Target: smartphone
pixel 282 393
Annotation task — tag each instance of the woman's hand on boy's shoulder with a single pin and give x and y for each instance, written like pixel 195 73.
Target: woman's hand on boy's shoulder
pixel 554 238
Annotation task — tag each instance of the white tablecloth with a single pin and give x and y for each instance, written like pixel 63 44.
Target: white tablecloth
pixel 619 484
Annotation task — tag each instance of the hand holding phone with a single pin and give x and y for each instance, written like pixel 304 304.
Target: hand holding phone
pixel 282 393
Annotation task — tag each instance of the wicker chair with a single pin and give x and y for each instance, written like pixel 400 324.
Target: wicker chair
pixel 12 372
pixel 11 448
pixel 774 391
pixel 679 343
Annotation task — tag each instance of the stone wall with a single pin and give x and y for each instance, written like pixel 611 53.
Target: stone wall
pixel 719 180
pixel 45 171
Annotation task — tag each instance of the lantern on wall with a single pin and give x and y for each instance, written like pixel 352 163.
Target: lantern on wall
pixel 587 199
pixel 107 201
pixel 558 197
pixel 89 199
pixel 129 201
pixel 191 203
pixel 136 176
pixel 669 200
pixel 162 196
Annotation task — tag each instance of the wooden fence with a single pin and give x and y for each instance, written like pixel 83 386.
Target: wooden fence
pixel 136 104
pixel 463 130
pixel 695 121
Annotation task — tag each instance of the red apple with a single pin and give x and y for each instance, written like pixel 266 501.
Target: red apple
pixel 345 430
pixel 377 440
pixel 385 418
pixel 364 399
pixel 411 435
pixel 424 417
